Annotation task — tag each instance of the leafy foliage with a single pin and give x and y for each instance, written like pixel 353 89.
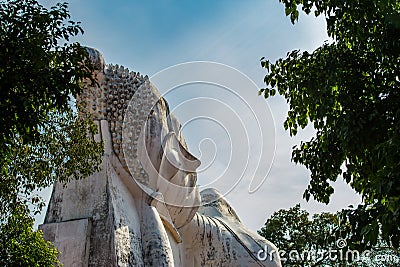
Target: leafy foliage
pixel 320 240
pixel 349 90
pixel 298 237
pixel 21 246
pixel 38 74
pixel 42 138
pixel 62 151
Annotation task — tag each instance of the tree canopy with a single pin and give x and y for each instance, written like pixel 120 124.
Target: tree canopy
pixel 349 90
pixel 21 246
pixel 320 240
pixel 41 136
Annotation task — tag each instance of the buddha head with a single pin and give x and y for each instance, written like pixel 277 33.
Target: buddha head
pixel 145 137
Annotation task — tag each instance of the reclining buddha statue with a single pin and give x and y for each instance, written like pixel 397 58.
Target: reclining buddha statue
pixel 143 208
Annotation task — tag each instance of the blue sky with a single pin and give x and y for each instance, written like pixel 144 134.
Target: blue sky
pixel 150 36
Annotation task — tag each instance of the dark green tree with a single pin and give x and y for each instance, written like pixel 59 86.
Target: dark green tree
pixel 349 90
pixel 320 240
pixel 302 240
pixel 21 246
pixel 41 136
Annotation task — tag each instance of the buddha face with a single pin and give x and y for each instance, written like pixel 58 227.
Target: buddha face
pixel 170 166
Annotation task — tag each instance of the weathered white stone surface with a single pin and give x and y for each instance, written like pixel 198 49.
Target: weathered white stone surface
pixel 216 237
pixel 72 238
pixel 143 208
